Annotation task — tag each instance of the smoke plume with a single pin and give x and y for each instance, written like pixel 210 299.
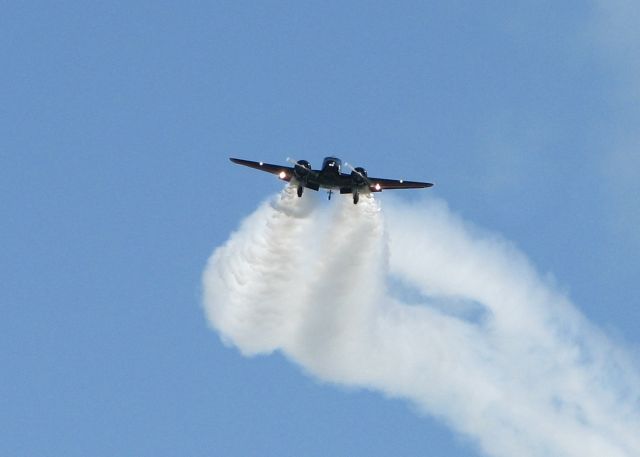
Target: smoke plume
pixel 421 305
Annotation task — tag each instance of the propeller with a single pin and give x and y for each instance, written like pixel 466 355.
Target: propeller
pixel 350 167
pixel 299 163
pixel 301 169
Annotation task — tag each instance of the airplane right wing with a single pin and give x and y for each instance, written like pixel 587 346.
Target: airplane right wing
pixel 282 172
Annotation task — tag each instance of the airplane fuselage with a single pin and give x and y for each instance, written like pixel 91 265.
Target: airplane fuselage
pixel 330 176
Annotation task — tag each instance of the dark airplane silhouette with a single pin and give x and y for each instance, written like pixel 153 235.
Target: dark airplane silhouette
pixel 329 177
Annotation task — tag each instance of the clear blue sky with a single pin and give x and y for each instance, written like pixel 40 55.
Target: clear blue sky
pixel 116 122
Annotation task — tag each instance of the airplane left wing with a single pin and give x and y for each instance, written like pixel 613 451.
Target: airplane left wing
pixel 282 172
pixel 378 184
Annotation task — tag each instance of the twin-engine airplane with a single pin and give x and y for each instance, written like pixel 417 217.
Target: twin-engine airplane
pixel 330 177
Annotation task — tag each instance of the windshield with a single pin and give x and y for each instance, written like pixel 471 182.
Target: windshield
pixel 331 162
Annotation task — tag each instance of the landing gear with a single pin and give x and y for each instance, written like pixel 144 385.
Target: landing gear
pixel 300 188
pixel 356 197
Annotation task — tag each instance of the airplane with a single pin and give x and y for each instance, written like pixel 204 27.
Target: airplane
pixel 330 177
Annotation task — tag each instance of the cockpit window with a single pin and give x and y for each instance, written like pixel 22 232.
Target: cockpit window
pixel 332 162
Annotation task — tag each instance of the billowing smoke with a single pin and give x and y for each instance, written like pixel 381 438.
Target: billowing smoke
pixel 422 306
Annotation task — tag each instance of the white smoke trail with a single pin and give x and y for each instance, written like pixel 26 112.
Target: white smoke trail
pixel 528 376
pixel 250 284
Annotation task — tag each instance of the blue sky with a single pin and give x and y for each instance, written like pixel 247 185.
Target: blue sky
pixel 117 122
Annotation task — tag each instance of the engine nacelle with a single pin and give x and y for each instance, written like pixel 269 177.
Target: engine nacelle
pixel 359 176
pixel 301 169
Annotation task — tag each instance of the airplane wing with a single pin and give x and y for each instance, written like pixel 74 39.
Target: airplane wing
pixel 283 172
pixel 379 184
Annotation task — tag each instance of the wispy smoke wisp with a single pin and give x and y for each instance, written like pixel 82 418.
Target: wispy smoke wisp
pixel 527 375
